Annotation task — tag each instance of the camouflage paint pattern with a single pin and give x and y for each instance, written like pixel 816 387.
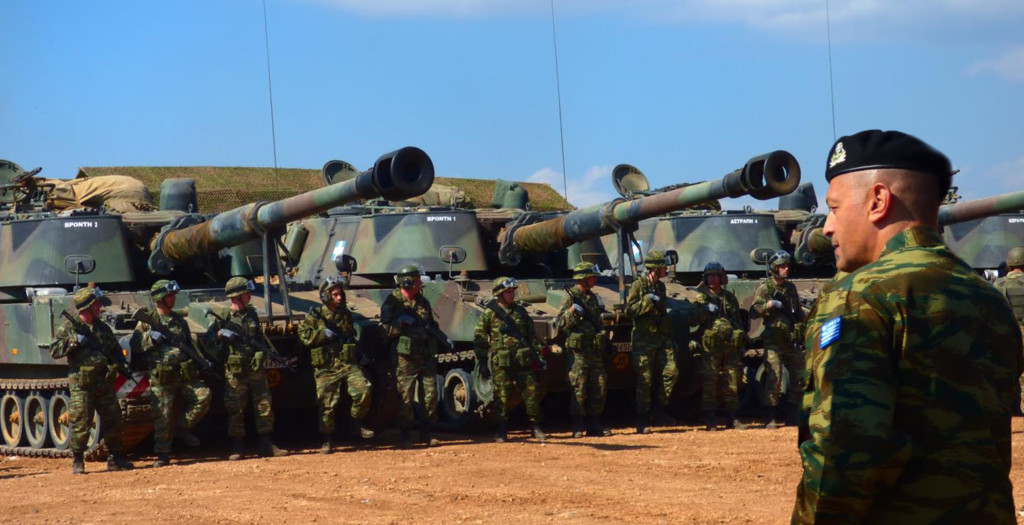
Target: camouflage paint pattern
pixel 983 243
pixel 908 400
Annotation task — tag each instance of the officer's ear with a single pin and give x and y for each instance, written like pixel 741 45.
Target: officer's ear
pixel 879 203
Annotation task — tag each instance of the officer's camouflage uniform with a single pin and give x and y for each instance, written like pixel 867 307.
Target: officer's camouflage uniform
pixel 1012 287
pixel 91 379
pixel 721 340
pixel 585 340
pixel 782 329
pixel 911 368
pixel 172 375
pixel 245 375
pixel 335 364
pixel 653 351
pixel 416 354
pixel 512 359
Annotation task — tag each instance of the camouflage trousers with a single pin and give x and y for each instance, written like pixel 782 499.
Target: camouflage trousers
pixel 238 389
pixel 721 378
pixel 589 383
pixel 196 396
pixel 99 398
pixel 506 380
pixel 329 382
pixel 412 371
pixel 775 357
pixel 655 368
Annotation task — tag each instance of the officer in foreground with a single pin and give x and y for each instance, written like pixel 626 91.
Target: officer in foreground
pixel 722 339
pixel 172 374
pixel 507 349
pixel 777 302
pixel 912 357
pixel 240 339
pixel 331 338
pixel 653 351
pixel 585 340
pixel 1012 287
pixel 93 362
pixel 407 323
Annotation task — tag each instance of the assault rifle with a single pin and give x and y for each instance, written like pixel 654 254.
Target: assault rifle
pixel 182 343
pixel 116 358
pixel 508 323
pixel 245 337
pixel 429 328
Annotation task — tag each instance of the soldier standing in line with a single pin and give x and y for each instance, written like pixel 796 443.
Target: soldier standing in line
pixel 585 339
pixel 331 338
pixel 777 302
pixel 912 357
pixel 172 374
pixel 90 347
pixel 653 350
pixel 1012 287
pixel 240 337
pixel 408 324
pixel 722 339
pixel 507 347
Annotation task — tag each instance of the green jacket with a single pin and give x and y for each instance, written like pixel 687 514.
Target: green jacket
pixel 493 335
pixel 323 350
pixel 781 325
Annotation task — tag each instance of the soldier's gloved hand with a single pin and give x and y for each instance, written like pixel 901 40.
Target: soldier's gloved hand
pixel 155 336
pixel 693 346
pixel 406 320
pixel 485 369
pixel 775 303
pixel 713 308
pixel 331 334
pixel 80 339
pixel 576 309
pixel 224 333
pixel 653 297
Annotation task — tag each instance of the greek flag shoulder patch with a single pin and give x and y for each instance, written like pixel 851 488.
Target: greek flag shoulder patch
pixel 830 332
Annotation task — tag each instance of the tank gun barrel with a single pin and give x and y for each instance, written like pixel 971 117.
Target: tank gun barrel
pixel 400 174
pixel 762 177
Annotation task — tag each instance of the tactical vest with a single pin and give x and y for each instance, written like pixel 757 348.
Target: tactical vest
pixel 1013 289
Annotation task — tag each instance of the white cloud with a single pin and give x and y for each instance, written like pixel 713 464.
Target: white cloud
pixel 1009 65
pixel 1002 178
pixel 593 187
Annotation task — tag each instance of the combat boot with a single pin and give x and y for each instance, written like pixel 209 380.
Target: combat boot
pixel 327 447
pixel 363 432
pixel 237 449
pixel 661 418
pixel 595 428
pixel 769 418
pixel 406 439
pixel 712 420
pixel 643 422
pixel 162 460
pixel 78 463
pixel 267 449
pixel 187 437
pixel 426 437
pixel 501 435
pixel 733 422
pixel 577 426
pixel 118 462
pixel 539 434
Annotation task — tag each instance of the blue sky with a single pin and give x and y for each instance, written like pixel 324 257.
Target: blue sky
pixel 686 90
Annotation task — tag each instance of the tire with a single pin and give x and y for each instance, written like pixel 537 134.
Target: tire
pixel 12 417
pixel 60 434
pixel 36 423
pixel 459 397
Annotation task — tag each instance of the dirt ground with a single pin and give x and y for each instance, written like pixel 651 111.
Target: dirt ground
pixel 676 475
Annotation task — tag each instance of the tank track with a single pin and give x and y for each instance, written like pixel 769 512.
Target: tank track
pixel 135 416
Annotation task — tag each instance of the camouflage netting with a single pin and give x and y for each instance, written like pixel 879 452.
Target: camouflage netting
pixel 221 189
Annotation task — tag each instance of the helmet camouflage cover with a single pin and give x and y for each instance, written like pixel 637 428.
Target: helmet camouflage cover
pixel 162 288
pixel 84 297
pixel 237 286
pixel 504 283
pixel 583 270
pixel 655 260
pixel 1015 257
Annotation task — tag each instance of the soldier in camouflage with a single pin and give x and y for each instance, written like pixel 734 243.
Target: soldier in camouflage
pixel 90 348
pixel 331 338
pixel 172 374
pixel 1012 287
pixel 244 369
pixel 406 323
pixel 585 339
pixel 912 357
pixel 506 347
pixel 777 302
pixel 654 358
pixel 722 339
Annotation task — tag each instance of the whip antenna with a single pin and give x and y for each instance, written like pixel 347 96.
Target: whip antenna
pixel 558 88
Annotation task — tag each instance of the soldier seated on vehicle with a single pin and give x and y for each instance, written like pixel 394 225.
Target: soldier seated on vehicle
pixel 331 338
pixel 506 344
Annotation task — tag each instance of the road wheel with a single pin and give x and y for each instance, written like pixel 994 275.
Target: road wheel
pixel 12 413
pixel 59 419
pixel 459 397
pixel 37 427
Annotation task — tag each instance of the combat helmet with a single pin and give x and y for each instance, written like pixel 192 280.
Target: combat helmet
pixel 237 286
pixel 504 283
pixel 1015 258
pixel 86 296
pixel 714 267
pixel 655 260
pixel 583 270
pixel 163 288
pixel 329 284
pixel 406 275
pixel 778 259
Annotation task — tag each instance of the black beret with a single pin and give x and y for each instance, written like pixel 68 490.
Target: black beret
pixel 875 149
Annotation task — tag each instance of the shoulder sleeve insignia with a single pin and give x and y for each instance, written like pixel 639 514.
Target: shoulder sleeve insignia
pixel 830 331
